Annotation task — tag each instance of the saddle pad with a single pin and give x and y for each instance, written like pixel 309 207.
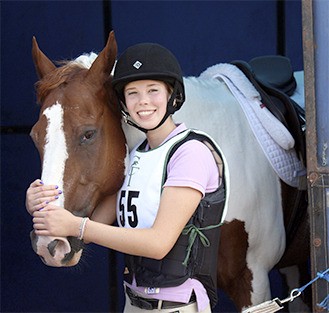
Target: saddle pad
pixel 283 160
pixel 236 77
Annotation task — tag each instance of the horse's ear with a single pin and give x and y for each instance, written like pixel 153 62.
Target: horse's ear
pixel 103 65
pixel 42 64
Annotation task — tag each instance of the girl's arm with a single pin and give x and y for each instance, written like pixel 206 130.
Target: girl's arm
pixel 39 196
pixel 176 208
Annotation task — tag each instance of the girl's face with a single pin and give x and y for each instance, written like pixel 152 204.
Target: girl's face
pixel 146 101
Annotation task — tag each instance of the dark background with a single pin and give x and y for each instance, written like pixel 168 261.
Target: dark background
pixel 200 34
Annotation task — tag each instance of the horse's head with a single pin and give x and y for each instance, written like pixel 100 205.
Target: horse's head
pixel 79 139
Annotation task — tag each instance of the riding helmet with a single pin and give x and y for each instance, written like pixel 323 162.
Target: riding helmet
pixel 149 61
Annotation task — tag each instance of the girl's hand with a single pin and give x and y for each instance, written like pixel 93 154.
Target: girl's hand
pixel 39 195
pixel 56 221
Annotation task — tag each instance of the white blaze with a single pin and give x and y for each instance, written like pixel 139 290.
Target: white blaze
pixel 55 150
pixel 54 159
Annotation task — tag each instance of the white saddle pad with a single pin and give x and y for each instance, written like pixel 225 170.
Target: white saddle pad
pixel 273 137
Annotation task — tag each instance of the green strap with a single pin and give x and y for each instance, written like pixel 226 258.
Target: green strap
pixel 193 232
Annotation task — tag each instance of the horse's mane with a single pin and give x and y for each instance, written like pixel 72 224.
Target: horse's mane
pixel 63 74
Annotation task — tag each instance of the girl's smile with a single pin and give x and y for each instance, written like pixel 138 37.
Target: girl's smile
pixel 145 113
pixel 146 101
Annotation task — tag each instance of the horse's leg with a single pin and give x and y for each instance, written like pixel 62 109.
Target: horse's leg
pixel 261 258
pixel 242 271
pixel 233 275
pixel 261 284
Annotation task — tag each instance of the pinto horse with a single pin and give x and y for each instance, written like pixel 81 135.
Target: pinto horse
pixel 83 146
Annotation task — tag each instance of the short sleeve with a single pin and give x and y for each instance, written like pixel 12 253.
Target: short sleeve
pixel 194 166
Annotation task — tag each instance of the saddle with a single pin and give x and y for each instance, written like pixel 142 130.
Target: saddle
pixel 273 78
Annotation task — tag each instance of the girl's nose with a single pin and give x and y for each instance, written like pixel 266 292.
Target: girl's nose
pixel 144 99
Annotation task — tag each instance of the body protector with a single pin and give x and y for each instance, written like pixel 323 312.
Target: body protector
pixel 195 253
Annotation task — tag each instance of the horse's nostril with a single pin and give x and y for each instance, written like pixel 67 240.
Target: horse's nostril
pixel 52 246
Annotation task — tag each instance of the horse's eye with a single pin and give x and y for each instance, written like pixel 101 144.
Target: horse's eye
pixel 88 136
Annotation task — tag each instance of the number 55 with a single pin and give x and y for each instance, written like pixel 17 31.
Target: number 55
pixel 128 208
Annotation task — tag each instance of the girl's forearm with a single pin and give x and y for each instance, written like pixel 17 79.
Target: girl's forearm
pixel 126 240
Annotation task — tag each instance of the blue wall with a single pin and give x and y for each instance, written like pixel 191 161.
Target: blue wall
pixel 204 33
pixel 200 33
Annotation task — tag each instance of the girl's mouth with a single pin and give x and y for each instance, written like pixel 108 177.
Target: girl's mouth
pixel 145 113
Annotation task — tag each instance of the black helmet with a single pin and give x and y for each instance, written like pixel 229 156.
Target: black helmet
pixel 149 61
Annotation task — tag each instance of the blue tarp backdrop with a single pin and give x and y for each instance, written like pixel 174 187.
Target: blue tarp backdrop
pixel 200 34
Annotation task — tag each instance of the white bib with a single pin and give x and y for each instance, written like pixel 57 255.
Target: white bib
pixel 139 197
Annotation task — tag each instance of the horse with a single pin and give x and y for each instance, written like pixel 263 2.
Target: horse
pixel 84 146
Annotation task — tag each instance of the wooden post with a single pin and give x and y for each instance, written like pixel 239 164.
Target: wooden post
pixel 316 76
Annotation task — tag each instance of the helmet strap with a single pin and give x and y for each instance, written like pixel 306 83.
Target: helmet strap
pixel 170 110
pixel 127 120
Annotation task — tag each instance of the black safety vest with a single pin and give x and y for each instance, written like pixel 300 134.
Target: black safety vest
pixel 195 254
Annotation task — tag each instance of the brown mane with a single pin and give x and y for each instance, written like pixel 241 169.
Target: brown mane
pixel 59 76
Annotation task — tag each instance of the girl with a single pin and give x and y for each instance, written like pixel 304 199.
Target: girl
pixel 170 205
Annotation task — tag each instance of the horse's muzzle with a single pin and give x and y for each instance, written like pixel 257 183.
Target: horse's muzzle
pixel 57 251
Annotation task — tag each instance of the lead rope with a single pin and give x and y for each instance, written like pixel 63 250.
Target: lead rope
pixel 277 304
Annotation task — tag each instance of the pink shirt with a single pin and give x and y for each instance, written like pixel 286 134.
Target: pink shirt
pixel 192 165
